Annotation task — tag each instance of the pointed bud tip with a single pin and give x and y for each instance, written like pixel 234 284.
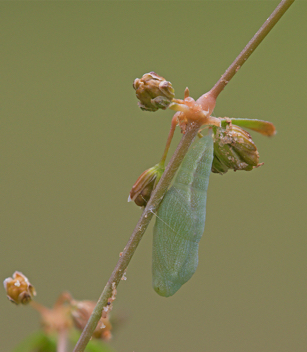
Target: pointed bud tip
pixel 145 184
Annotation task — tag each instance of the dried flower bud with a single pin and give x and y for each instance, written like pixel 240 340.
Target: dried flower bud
pixel 59 317
pixel 19 289
pixel 81 312
pixel 145 184
pixel 233 149
pixel 153 91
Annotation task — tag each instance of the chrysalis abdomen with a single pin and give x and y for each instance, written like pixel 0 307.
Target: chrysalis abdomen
pixel 180 221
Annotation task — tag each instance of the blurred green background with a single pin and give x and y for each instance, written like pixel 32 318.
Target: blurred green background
pixel 73 141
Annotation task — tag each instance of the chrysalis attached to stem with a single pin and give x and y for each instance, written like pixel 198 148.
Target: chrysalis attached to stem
pixel 180 221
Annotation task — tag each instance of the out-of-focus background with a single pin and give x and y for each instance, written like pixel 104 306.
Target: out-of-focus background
pixel 73 141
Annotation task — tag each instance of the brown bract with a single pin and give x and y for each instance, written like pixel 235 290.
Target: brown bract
pixel 81 312
pixel 58 318
pixel 68 313
pixel 197 111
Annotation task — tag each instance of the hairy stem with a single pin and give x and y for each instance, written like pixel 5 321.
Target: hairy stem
pixel 168 175
pixel 251 46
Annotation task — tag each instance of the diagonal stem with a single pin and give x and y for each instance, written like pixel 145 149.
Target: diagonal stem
pixel 168 175
pixel 251 46
pixel 137 234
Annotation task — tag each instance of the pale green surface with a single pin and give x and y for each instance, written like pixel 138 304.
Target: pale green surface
pixel 180 221
pixel 73 141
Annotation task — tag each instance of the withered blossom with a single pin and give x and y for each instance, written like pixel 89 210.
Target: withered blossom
pixel 18 288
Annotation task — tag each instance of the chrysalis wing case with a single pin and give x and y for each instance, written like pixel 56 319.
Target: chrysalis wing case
pixel 180 221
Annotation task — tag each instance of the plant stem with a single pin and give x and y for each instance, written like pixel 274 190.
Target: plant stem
pixel 137 234
pixel 251 46
pixel 62 341
pixel 169 139
pixel 167 177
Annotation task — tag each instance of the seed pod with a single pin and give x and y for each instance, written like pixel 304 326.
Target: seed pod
pixel 180 221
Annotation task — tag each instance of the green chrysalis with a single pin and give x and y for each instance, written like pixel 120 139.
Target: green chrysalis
pixel 180 221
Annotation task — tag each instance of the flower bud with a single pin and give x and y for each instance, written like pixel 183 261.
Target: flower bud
pixel 58 318
pixel 19 289
pixel 81 313
pixel 233 149
pixel 145 184
pixel 153 91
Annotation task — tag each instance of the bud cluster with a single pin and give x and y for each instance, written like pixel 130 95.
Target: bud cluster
pixel 153 91
pixel 233 149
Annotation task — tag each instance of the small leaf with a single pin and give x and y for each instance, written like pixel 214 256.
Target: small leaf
pixel 264 127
